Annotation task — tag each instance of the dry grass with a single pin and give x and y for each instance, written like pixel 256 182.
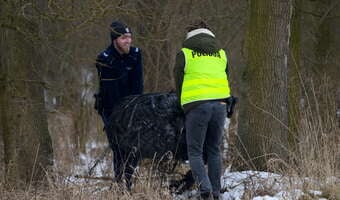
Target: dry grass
pixel 64 188
pixel 315 162
pixel 317 158
pixel 68 163
pixel 314 159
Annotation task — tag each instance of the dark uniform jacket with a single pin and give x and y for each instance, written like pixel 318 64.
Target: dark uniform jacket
pixel 201 43
pixel 119 75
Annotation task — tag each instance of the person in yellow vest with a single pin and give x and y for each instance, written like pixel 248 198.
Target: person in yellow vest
pixel 201 76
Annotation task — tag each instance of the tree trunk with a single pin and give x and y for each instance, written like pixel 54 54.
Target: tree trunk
pixel 320 58
pixel 326 68
pixel 27 143
pixel 263 118
pixel 294 75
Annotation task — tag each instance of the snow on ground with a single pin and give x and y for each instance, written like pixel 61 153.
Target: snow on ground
pixel 264 183
pixel 95 161
pixel 255 185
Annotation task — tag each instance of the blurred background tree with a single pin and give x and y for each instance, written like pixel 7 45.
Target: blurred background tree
pixel 28 153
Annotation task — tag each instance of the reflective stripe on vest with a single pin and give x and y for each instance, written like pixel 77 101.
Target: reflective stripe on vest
pixel 204 76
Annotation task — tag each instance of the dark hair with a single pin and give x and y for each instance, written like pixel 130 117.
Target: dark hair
pixel 196 25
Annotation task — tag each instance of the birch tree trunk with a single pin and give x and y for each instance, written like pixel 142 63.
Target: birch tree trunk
pixel 263 117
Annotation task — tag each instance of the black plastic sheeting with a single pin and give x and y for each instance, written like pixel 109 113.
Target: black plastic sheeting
pixel 149 125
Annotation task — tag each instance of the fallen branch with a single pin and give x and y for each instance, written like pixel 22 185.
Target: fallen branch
pixel 105 178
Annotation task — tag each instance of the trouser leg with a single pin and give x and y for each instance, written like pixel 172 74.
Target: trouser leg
pixel 118 156
pixel 118 163
pixel 196 122
pixel 129 170
pixel 213 144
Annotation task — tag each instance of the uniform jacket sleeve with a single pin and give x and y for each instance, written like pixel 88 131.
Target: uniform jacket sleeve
pixel 136 85
pixel 227 71
pixel 179 72
pixel 227 68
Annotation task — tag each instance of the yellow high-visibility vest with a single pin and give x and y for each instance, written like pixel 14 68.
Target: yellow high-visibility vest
pixel 204 76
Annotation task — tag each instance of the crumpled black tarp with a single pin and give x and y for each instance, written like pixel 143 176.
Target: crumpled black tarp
pixel 150 125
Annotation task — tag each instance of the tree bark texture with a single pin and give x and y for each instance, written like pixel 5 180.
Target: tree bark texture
pixel 263 117
pixel 294 74
pixel 27 143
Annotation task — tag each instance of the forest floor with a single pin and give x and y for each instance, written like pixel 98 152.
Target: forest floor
pixel 77 156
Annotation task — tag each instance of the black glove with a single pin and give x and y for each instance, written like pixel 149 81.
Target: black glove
pixel 98 103
pixel 231 102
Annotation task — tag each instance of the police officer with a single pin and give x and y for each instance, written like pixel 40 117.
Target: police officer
pixel 120 72
pixel 202 86
pixel 119 68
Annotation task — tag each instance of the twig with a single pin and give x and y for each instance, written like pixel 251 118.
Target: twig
pixel 105 178
pixel 101 157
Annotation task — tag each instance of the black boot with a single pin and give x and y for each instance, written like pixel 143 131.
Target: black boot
pixel 206 196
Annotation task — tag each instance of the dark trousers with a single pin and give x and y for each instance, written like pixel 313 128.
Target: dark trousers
pixel 123 162
pixel 205 125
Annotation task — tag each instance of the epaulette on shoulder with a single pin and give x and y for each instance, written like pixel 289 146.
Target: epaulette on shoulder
pixel 135 50
pixel 104 55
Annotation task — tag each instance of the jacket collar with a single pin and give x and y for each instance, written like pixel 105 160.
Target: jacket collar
pixel 198 31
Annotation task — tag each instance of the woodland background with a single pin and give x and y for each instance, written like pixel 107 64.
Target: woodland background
pixel 284 67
